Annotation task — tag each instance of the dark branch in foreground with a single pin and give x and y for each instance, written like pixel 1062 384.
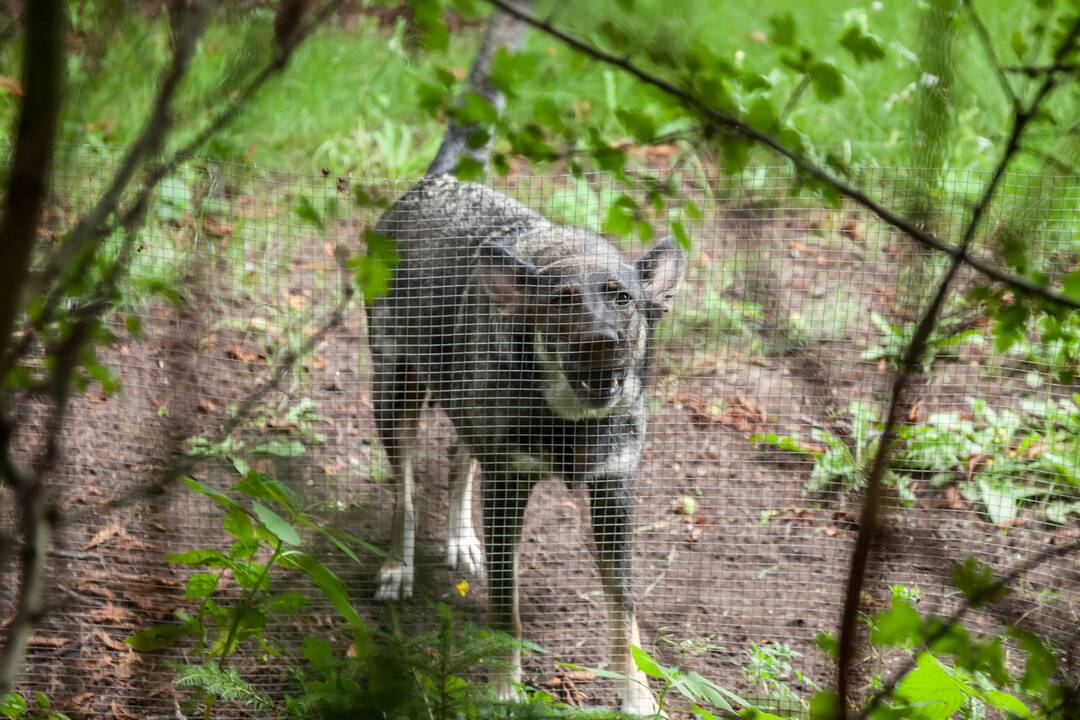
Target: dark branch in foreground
pixel 913 355
pixel 719 118
pixel 46 26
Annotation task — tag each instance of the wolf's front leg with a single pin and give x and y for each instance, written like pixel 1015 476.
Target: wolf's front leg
pixel 395 580
pixel 462 545
pixel 610 508
pixel 504 500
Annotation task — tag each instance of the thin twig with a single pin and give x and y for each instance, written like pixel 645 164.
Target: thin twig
pixel 991 54
pixel 868 523
pixel 1040 70
pixel 719 118
pixel 796 95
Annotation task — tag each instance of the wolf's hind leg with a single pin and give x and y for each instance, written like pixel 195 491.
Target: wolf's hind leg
pixel 462 545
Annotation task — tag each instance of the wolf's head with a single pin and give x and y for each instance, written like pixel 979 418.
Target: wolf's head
pixel 591 315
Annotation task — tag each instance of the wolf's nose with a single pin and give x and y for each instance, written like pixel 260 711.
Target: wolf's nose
pixel 604 347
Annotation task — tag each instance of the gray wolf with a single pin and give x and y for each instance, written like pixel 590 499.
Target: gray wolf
pixel 536 340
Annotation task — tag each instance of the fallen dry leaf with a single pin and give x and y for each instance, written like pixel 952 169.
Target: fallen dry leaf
pixel 112 643
pixel 954 500
pixel 207 406
pixel 239 352
pixel 104 535
pixel 48 641
pixel 830 531
pixel 112 614
pixel 219 227
pixel 93 589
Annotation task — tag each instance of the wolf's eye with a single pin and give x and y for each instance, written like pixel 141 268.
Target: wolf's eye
pixel 618 294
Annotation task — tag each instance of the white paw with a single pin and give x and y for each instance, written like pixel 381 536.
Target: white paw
pixel 503 685
pixel 395 581
pixel 638 700
pixel 463 550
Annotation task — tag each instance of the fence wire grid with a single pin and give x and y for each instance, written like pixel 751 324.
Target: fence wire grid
pixel 767 379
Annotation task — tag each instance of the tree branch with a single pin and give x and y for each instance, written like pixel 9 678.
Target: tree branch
pixel 43 67
pixel 28 179
pixel 719 118
pixel 868 523
pixel 988 47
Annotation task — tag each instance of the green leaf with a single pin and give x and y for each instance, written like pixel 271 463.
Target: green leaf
pixel 200 585
pixel 824 705
pixel 864 46
pixel 13 705
pixel 827 643
pixel 899 625
pixel 216 495
pixel 783 29
pixel 1007 703
pixel 259 485
pixel 762 115
pixel 280 448
pixel 645 662
pixel 279 526
pixel 330 584
pixel 931 689
pixel 1071 285
pixel 974 580
pixel 133 323
pixel 547 114
pixel 828 82
pixel 640 126
pixel 288 602
pixel 1019 45
pixel 306 211
pixel 736 152
pixel 621 215
pixel 681 236
pixel 213 558
pixel 157 637
pixel 1041 663
pixel 238 524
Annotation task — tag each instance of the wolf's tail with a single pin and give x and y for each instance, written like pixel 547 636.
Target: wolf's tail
pixel 503 31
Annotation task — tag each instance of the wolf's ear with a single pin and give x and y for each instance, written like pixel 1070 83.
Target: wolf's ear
pixel 662 270
pixel 510 282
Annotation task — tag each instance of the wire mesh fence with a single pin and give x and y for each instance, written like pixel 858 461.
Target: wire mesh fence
pixel 736 426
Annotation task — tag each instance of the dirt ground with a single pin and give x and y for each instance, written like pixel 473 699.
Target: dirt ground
pixel 758 561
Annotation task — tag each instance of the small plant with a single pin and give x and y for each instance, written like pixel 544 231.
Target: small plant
pixel 896 339
pixel 14 706
pixel 769 667
pixel 266 531
pixel 1001 459
pixel 840 460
